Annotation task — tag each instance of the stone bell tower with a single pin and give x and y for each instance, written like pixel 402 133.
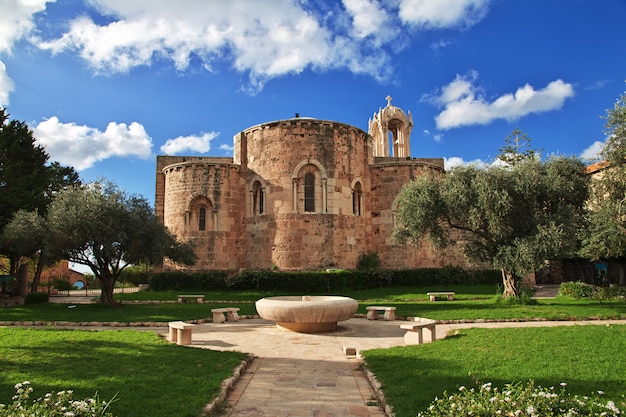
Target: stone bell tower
pixel 391 130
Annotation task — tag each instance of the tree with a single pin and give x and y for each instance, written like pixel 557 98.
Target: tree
pixel 517 149
pixel 513 218
pixel 24 176
pixel 605 236
pixel 100 226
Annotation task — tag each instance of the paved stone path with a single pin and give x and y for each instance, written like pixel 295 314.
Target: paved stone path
pixel 309 375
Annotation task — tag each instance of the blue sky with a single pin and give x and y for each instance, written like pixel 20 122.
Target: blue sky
pixel 106 85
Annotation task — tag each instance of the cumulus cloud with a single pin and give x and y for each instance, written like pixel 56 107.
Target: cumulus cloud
pixel 464 104
pixel 430 14
pixel 227 148
pixel 200 144
pixel 83 146
pixel 593 151
pixel 16 20
pixel 455 161
pixel 6 85
pixel 264 42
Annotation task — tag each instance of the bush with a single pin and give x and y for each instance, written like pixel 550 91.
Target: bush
pixel 195 281
pixel 53 404
pixel 518 400
pixel 36 298
pixel 368 261
pixel 577 289
pixel 62 284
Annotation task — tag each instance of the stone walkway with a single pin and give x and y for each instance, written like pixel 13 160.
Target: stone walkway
pixel 309 375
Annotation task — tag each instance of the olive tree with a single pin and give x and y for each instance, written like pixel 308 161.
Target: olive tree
pixel 512 218
pixel 605 236
pixel 104 228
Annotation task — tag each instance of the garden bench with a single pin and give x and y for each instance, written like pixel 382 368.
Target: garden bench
pixel 414 335
pixel 433 295
pixel 180 332
pixel 372 312
pixel 231 314
pixel 199 298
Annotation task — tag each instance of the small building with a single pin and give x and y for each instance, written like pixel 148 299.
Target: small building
pixel 298 194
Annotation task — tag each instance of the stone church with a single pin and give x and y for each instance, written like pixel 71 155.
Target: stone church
pixel 298 194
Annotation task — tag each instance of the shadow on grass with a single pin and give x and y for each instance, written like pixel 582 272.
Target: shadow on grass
pixel 142 369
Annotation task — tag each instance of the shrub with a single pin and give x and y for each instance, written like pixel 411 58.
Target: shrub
pixel 519 400
pixel 181 281
pixel 36 298
pixel 368 261
pixel 53 404
pixel 577 289
pixel 62 284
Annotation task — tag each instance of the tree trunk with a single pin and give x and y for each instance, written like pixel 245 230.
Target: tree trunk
pixel 510 284
pixel 108 284
pixel 34 286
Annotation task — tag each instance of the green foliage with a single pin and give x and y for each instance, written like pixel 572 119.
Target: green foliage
pixel 578 289
pixel 575 289
pixel 517 149
pixel 605 235
pixel 62 284
pixel 512 218
pixel 181 281
pixel 53 404
pixel 368 261
pixel 319 281
pixel 519 399
pixel 36 298
pixel 102 227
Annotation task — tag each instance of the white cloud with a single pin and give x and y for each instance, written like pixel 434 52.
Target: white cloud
pixel 83 146
pixel 431 14
pixel 6 85
pixel 16 20
pixel 369 19
pixel 464 104
pixel 263 41
pixel 455 161
pixel 593 151
pixel 227 148
pixel 200 144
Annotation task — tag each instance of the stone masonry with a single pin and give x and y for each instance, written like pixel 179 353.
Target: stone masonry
pixel 298 194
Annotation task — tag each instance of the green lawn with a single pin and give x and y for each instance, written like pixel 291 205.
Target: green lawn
pixel 146 370
pixel 586 358
pixel 150 376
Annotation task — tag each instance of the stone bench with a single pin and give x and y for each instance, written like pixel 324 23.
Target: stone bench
pixel 414 335
pixel 372 312
pixel 199 298
pixel 434 295
pixel 231 314
pixel 180 332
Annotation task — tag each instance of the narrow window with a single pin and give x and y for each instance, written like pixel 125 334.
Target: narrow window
pixel 202 219
pixel 356 199
pixel 261 201
pixel 309 192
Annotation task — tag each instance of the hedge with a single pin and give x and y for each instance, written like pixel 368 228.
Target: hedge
pixel 319 281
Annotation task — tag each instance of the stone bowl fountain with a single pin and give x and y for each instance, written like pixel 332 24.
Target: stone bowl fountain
pixel 307 314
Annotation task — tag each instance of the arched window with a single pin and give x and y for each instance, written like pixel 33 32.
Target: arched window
pixel 309 192
pixel 202 219
pixel 258 198
pixel 357 199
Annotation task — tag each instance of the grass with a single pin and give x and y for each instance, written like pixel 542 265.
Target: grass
pixel 125 313
pixel 146 370
pixel 587 358
pixel 150 376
